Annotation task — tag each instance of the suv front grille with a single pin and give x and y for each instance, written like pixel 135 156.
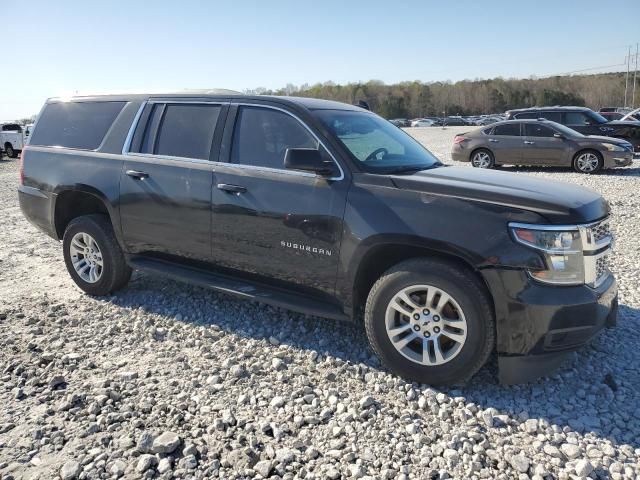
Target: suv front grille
pixel 602 267
pixel 600 231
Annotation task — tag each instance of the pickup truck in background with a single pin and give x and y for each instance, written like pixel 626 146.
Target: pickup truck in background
pixel 11 139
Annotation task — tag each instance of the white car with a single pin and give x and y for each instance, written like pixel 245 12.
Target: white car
pixel 422 122
pixel 11 139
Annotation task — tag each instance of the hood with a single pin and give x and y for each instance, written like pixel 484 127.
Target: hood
pixel 558 202
pixel 627 123
pixel 600 138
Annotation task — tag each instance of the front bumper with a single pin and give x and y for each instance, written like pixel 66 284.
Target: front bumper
pixel 618 159
pixel 537 324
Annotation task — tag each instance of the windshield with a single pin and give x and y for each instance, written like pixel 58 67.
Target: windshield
pixel 598 118
pixel 377 145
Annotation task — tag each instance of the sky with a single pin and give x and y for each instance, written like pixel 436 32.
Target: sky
pixel 59 47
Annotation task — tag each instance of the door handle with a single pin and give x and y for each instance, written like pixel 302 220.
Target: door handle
pixel 137 175
pixel 232 188
pixel 527 142
pixel 493 140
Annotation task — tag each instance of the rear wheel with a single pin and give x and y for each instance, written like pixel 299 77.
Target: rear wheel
pixel 483 159
pixel 588 161
pixel 93 256
pixel 430 321
pixel 8 148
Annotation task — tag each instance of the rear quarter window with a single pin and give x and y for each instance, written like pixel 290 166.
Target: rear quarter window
pixel 81 125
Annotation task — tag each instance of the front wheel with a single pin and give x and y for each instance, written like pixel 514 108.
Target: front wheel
pixel 483 159
pixel 589 161
pixel 430 321
pixel 93 256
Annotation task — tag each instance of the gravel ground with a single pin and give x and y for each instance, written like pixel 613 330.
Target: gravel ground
pixel 165 380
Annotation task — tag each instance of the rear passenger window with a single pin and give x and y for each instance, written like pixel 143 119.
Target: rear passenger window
pixel 262 136
pixel 81 125
pixel 182 130
pixel 510 129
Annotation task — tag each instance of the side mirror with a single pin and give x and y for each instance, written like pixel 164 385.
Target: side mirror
pixel 559 135
pixel 308 160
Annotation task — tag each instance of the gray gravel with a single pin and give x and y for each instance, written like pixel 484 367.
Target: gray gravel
pixel 165 380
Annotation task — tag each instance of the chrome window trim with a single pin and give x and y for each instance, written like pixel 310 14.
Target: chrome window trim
pixel 320 142
pixel 127 144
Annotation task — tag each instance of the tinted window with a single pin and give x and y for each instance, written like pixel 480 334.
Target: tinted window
pixel 11 127
pixel 527 115
pixel 186 130
pixel 75 124
pixel 536 130
pixel 509 128
pixel 553 116
pixel 577 118
pixel 262 136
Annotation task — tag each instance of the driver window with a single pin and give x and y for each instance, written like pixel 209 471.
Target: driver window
pixel 262 136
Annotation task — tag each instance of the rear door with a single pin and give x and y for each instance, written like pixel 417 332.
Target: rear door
pixel 165 186
pixel 506 144
pixel 281 224
pixel 541 147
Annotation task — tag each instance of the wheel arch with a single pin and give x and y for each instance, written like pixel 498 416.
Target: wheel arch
pixel 379 257
pixel 486 149
pixel 80 200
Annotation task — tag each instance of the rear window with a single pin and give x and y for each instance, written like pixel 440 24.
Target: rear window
pixel 511 129
pixel 81 125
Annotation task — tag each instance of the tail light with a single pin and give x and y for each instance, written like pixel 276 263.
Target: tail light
pixel 24 149
pixel 459 139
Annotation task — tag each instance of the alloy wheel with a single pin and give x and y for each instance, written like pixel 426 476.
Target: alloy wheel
pixel 587 162
pixel 86 257
pixel 426 325
pixel 481 160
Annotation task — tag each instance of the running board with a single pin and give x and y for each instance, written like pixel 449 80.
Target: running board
pixel 239 287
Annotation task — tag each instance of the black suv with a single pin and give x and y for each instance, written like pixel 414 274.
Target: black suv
pixel 327 209
pixel 583 120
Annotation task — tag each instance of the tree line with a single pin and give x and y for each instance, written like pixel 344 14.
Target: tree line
pixel 469 97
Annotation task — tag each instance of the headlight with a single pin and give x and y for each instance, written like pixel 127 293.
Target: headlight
pixel 613 148
pixel 561 250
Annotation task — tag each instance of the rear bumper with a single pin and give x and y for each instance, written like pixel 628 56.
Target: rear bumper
pixel 459 154
pixel 537 325
pixel 37 207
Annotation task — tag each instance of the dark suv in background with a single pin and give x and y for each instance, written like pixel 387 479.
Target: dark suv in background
pixel 583 120
pixel 327 209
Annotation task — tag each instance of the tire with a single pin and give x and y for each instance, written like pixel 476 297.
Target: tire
pixel 9 151
pixel 461 362
pixel 113 273
pixel 588 161
pixel 482 158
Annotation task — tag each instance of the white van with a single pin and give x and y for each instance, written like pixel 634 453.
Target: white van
pixel 11 139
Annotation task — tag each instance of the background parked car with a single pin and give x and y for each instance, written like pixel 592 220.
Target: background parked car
pixel 454 121
pixel 400 122
pixel 422 122
pixel 583 120
pixel 540 142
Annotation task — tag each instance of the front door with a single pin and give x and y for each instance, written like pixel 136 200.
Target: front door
pixel 541 147
pixel 165 187
pixel 281 224
pixel 506 144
